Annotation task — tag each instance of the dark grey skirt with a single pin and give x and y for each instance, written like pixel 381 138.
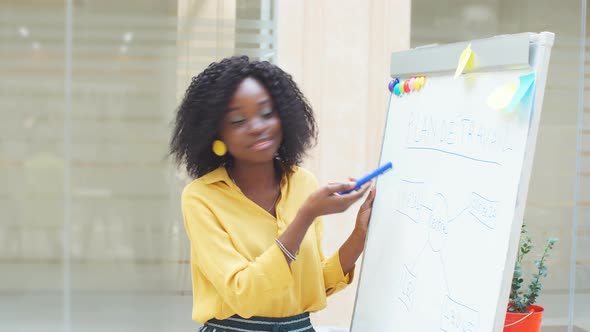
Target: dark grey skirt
pixel 298 323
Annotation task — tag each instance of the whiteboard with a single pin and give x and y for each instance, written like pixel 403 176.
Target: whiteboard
pixel 445 223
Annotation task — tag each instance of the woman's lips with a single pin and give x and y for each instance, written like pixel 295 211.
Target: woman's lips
pixel 261 145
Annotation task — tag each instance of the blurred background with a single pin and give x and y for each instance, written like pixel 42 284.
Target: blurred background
pixel 91 236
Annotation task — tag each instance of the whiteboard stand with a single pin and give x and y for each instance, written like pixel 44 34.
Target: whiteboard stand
pixel 445 225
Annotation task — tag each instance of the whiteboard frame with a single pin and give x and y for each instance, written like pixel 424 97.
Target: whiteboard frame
pixel 490 54
pixel 526 50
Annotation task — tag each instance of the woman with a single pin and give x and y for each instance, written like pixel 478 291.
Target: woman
pixel 252 215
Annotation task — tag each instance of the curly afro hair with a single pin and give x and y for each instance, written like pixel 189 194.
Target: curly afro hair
pixel 204 105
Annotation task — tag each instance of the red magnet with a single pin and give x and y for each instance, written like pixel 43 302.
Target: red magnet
pixel 407 86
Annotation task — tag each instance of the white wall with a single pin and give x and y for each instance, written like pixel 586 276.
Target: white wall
pixel 338 53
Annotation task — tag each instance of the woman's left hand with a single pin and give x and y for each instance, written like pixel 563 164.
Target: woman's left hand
pixel 354 245
pixel 364 214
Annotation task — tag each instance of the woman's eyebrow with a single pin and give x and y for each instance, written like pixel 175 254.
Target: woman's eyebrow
pixel 237 108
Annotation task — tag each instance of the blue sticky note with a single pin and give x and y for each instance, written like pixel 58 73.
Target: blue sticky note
pixel 524 92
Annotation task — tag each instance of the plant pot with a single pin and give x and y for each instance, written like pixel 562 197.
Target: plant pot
pixel 524 322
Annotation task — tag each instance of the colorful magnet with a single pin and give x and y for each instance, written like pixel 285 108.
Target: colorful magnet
pixel 417 84
pixel 396 89
pixel 411 84
pixel 406 86
pixel 392 84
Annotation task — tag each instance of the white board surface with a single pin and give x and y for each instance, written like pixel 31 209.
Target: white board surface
pixel 443 224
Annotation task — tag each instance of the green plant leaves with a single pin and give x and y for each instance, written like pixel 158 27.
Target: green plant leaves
pixel 518 302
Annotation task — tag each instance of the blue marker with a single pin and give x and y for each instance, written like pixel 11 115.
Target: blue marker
pixel 368 177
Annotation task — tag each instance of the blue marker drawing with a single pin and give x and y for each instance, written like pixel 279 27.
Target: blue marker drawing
pixel 368 177
pixel 453 153
pixel 407 215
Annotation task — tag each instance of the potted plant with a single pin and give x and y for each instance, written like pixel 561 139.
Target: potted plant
pixel 524 314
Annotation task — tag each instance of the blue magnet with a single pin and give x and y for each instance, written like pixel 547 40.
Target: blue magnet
pixel 392 84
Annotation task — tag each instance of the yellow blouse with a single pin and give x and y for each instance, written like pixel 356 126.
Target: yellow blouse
pixel 237 268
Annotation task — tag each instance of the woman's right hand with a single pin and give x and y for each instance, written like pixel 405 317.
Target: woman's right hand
pixel 326 200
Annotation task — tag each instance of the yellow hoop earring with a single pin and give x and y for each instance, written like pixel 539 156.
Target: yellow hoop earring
pixel 219 148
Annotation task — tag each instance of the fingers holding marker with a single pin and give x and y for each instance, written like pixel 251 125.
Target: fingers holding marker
pixel 336 187
pixel 367 178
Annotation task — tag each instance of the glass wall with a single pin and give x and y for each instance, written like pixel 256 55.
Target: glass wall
pixel 91 237
pixel 559 198
pixel 32 166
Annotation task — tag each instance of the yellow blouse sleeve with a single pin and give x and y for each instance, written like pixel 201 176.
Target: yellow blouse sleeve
pixel 244 285
pixel 334 278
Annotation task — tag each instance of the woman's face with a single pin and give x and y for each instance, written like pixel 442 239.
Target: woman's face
pixel 251 128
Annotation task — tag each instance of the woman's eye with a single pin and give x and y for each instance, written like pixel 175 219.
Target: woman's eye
pixel 267 112
pixel 236 119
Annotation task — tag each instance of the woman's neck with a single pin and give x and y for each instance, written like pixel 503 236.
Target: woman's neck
pixel 255 177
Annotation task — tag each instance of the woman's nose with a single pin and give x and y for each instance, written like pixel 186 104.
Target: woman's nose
pixel 257 125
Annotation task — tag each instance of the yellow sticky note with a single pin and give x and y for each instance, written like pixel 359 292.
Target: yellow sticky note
pixel 466 61
pixel 501 97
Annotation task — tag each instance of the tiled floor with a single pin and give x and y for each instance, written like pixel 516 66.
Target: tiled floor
pixel 103 311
